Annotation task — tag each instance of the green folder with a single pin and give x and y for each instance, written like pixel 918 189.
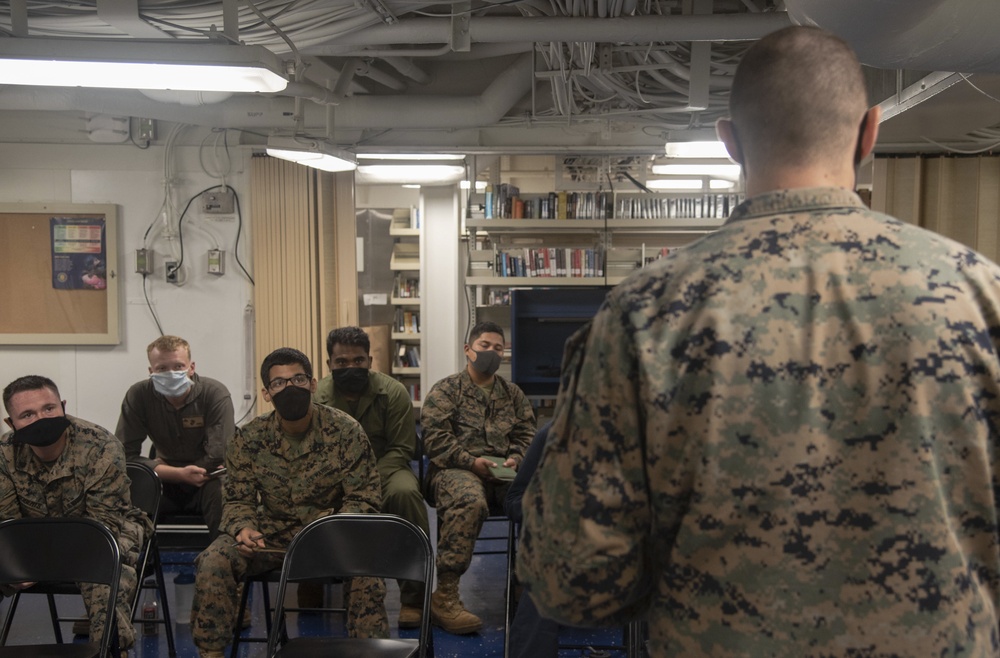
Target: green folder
pixel 500 471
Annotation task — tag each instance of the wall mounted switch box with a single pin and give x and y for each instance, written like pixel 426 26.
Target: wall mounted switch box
pixel 216 261
pixel 143 261
pixel 219 202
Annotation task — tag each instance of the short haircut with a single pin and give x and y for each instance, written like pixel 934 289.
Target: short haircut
pixel 27 383
pixel 168 344
pixel 797 95
pixel 350 336
pixel 283 356
pixel 485 327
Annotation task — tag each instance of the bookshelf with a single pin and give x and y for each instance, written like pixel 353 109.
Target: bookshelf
pixel 601 241
pixel 405 334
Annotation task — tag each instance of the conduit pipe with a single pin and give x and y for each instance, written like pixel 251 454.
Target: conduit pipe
pixel 409 69
pixel 504 29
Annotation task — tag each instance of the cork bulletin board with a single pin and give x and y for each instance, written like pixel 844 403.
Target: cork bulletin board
pixel 59 274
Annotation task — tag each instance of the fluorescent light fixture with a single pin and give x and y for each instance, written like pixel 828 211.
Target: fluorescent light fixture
pixel 692 184
pixel 122 64
pixel 696 150
pixel 730 171
pixel 428 174
pixel 411 186
pixel 311 153
pixel 716 184
pixel 480 185
pixel 410 156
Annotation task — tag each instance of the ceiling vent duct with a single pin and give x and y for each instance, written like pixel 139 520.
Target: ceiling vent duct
pixel 924 35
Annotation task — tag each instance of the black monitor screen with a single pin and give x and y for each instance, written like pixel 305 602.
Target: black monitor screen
pixel 541 321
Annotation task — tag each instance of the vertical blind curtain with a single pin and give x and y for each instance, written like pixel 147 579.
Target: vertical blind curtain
pixel 958 197
pixel 286 254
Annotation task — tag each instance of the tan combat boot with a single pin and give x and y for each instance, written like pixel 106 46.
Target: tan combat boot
pixel 447 610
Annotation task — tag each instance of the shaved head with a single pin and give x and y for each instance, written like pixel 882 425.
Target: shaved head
pixel 798 97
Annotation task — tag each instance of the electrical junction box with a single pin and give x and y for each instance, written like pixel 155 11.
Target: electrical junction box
pixel 143 261
pixel 216 261
pixel 173 271
pixel 219 202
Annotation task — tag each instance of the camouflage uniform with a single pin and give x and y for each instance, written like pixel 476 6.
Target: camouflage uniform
pixel 385 412
pixel 196 433
pixel 87 480
pixel 278 484
pixel 782 442
pixel 461 423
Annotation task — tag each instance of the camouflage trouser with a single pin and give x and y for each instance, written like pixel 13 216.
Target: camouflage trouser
pixel 463 502
pixel 401 496
pixel 94 598
pixel 221 569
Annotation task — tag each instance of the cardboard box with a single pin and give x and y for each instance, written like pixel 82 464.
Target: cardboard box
pixel 380 337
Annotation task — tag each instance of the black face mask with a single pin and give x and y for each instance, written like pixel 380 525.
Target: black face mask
pixel 487 362
pixel 292 402
pixel 350 380
pixel 43 432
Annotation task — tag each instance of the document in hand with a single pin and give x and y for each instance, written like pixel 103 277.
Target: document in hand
pixel 500 471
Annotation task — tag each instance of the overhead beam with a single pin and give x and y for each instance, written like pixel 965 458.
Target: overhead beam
pixel 927 87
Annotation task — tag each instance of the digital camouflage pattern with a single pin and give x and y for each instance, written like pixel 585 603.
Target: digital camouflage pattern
pixel 385 412
pixel 782 441
pixel 461 423
pixel 88 480
pixel 278 484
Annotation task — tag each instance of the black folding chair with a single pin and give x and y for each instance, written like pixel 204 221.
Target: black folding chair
pixel 60 550
pixel 146 490
pixel 347 546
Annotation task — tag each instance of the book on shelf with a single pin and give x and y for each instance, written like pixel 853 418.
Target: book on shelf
pixel 549 262
pixel 407 356
pixel 407 321
pixel 644 206
pixel 504 201
pixel 414 390
pixel 405 287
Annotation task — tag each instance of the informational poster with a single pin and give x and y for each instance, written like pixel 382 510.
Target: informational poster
pixel 79 253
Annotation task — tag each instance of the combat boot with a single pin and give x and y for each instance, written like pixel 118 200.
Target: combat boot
pixel 447 610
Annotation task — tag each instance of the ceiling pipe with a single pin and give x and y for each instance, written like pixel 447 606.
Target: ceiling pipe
pixel 267 113
pixel 409 69
pixel 366 70
pixel 502 29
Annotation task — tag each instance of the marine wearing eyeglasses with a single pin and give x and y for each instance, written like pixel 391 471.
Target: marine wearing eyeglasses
pixel 385 411
pixel 285 469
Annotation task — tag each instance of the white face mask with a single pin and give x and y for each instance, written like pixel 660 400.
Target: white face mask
pixel 172 383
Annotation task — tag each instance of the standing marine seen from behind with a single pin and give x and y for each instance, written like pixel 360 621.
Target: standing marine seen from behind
pixel 782 440
pixel 384 409
pixel 466 417
pixel 285 469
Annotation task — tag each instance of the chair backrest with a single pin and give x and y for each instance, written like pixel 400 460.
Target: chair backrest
pixel 345 545
pixel 62 549
pixel 348 545
pixel 146 489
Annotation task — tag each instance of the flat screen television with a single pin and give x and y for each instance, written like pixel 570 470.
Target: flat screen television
pixel 541 321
